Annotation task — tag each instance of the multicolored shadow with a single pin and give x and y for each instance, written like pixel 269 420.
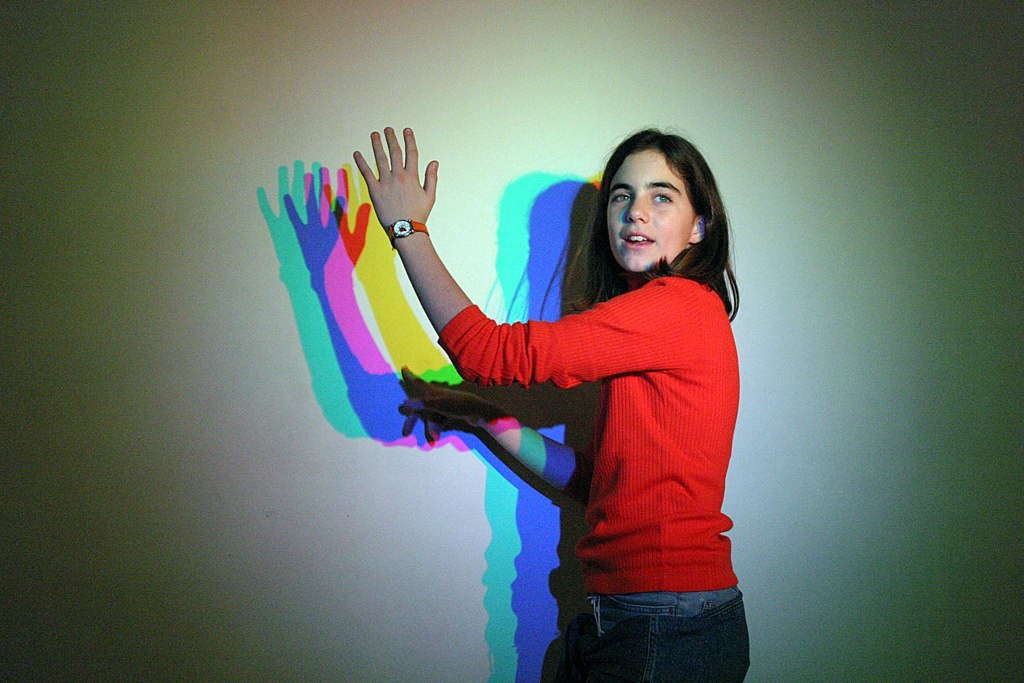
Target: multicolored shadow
pixel 343 288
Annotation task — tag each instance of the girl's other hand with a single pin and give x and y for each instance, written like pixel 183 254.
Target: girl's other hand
pixel 397 193
pixel 443 408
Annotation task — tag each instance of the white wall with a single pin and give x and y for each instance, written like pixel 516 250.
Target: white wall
pixel 179 506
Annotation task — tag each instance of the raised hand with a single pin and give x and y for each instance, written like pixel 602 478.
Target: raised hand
pixel 400 329
pixel 397 193
pixel 441 408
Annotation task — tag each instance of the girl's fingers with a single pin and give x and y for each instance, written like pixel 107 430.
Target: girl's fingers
pixel 412 155
pixel 395 149
pixel 430 430
pixel 410 380
pixel 410 424
pixel 430 180
pixel 417 388
pixel 407 375
pixel 383 168
pixel 411 405
pixel 364 168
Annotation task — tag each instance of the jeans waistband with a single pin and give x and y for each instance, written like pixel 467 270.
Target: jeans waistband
pixel 610 609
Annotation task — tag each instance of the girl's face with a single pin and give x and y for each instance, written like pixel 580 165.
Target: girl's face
pixel 650 217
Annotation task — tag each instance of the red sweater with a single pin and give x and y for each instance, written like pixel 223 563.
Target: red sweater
pixel 663 437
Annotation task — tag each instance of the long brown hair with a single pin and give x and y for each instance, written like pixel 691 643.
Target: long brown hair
pixel 707 262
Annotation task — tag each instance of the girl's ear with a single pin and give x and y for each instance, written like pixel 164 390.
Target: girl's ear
pixel 698 230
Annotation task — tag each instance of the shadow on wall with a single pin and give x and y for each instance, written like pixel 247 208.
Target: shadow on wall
pixel 343 286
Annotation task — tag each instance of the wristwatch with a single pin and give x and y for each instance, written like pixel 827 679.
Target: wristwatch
pixel 404 228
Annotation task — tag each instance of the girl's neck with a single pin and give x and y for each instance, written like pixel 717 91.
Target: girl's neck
pixel 634 280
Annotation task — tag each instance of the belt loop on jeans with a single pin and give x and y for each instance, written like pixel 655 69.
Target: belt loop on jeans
pixel 595 602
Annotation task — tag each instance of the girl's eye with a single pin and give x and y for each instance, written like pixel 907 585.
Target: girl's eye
pixel 663 198
pixel 618 198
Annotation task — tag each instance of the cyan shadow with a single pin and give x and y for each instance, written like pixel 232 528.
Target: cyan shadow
pixel 359 391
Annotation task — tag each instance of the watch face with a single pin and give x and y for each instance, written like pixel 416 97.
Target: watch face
pixel 402 229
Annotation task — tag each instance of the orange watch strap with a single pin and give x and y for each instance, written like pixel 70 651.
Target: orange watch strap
pixel 415 225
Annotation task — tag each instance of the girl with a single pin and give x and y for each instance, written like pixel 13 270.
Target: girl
pixel 658 295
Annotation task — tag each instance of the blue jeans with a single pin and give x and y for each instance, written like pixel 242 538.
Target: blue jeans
pixel 660 636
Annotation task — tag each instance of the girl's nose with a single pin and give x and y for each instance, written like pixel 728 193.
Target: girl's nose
pixel 636 212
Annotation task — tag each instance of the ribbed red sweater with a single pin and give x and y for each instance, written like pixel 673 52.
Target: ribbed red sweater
pixel 663 437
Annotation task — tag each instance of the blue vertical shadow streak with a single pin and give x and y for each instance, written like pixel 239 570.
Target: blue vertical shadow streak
pixel 536 516
pixel 327 383
pixel 359 404
pixel 374 398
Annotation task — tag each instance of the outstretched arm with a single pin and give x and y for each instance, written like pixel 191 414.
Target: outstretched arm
pixel 441 408
pixel 396 195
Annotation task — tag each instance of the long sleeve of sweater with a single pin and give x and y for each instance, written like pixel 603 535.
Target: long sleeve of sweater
pixel 669 399
pixel 656 327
